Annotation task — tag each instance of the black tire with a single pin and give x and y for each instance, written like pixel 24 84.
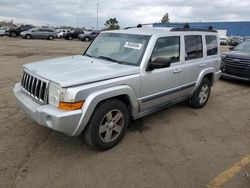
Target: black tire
pixel 92 134
pixel 86 39
pixel 198 100
pixel 28 36
pixel 13 34
pixel 50 37
pixel 69 38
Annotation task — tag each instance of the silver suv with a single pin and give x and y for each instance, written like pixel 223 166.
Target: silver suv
pixel 123 75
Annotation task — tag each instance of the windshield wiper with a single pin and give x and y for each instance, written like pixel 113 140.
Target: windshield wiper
pixel 108 58
pixel 88 55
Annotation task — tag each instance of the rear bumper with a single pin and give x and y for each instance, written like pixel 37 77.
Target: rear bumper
pixel 217 76
pixel 48 115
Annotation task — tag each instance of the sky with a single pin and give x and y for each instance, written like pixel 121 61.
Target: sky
pixel 128 12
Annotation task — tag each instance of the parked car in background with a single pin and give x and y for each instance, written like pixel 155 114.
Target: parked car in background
pixel 235 40
pixel 223 40
pixel 89 36
pixel 73 34
pixel 39 33
pixel 3 31
pixel 62 32
pixel 236 63
pixel 15 31
pixel 247 38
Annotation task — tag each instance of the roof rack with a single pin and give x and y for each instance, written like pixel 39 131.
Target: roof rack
pixel 180 27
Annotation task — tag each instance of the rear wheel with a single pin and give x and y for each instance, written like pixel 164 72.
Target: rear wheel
pixel 50 37
pixel 13 34
pixel 108 124
pixel 28 36
pixel 201 95
pixel 69 38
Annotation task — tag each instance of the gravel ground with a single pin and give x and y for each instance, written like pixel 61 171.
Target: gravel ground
pixel 176 147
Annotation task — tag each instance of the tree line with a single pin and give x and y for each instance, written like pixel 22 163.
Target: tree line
pixel 112 23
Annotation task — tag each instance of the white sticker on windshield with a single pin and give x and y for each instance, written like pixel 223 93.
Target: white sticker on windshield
pixel 133 45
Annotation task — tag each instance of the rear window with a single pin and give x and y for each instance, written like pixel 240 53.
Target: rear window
pixel 212 45
pixel 193 47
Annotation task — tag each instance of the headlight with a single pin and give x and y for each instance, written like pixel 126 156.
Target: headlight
pixel 63 98
pixel 54 94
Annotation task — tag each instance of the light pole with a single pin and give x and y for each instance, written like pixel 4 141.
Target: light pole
pixel 97 11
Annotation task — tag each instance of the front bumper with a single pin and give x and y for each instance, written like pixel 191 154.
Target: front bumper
pixel 240 73
pixel 48 115
pixel 234 77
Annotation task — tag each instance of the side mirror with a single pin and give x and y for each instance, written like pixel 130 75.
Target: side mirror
pixel 159 63
pixel 231 47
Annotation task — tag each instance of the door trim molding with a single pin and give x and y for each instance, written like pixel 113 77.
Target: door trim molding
pixel 166 92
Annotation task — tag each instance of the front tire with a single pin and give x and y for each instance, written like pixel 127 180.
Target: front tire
pixel 108 125
pixel 87 39
pixel 201 95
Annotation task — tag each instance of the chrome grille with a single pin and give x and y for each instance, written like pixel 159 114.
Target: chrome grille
pixel 239 63
pixel 34 87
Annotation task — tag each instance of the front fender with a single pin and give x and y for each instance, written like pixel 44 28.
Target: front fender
pixel 95 98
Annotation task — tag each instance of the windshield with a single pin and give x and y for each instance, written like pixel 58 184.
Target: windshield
pixel 119 48
pixel 33 29
pixel 245 46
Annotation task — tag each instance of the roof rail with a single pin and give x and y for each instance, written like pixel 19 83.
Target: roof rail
pixel 193 29
pixel 186 27
pixel 138 26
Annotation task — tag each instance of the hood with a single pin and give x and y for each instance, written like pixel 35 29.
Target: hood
pixel 238 54
pixel 75 70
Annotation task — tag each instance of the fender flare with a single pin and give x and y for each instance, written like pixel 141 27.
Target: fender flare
pixel 95 98
pixel 202 74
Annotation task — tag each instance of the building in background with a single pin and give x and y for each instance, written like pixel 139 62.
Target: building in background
pixel 224 28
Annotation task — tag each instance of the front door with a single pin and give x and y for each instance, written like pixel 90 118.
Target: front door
pixel 163 85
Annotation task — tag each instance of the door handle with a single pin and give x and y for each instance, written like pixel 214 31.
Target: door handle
pixel 202 64
pixel 177 71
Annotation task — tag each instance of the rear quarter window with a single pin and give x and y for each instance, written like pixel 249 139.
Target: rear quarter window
pixel 212 45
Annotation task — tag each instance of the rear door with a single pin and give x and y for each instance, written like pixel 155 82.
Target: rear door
pixel 194 60
pixel 201 52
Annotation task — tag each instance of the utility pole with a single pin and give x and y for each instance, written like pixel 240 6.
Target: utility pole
pixel 97 12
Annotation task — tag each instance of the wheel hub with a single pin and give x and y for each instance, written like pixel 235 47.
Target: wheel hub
pixel 111 126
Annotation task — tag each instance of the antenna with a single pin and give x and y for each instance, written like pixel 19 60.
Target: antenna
pixel 97 12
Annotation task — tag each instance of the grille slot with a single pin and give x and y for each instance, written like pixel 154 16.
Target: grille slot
pixel 35 87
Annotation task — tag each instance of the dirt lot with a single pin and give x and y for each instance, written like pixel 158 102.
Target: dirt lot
pixel 177 147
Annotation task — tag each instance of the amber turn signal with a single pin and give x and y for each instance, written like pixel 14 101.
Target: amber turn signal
pixel 70 105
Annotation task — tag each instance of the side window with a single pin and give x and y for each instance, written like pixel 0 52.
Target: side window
pixel 168 48
pixel 193 47
pixel 212 45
